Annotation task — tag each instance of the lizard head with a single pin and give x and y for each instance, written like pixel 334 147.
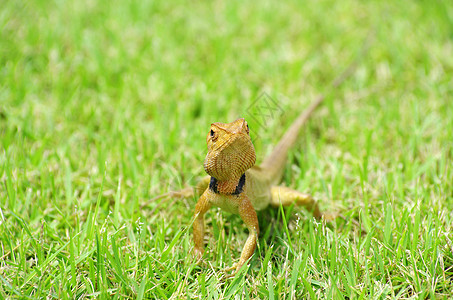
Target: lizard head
pixel 230 150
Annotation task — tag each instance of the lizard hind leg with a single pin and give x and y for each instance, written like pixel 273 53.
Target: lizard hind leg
pixel 286 197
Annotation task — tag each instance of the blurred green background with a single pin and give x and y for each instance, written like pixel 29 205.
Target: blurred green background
pixel 105 104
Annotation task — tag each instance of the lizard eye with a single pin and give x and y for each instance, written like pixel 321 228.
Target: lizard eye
pixel 213 135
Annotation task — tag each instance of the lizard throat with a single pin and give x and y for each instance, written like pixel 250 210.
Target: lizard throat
pixel 227 187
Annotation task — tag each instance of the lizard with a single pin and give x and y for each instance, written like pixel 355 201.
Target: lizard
pixel 237 186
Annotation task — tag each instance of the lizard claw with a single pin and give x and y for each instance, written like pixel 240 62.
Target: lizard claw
pixel 329 217
pixel 226 271
pixel 233 267
pixel 198 253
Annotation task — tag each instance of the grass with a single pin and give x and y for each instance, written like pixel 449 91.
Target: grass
pixel 105 104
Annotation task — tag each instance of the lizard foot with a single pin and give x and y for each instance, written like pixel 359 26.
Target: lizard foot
pixel 184 193
pixel 329 216
pixel 233 267
pixel 198 254
pixel 230 272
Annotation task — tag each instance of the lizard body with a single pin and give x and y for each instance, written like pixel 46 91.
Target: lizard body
pixel 238 186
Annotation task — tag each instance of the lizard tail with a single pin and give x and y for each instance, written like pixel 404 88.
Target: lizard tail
pixel 274 164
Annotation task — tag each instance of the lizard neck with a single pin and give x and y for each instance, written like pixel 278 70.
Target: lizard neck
pixel 227 187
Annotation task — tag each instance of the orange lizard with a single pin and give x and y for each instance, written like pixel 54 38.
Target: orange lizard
pixel 237 186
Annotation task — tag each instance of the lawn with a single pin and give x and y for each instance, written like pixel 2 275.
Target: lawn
pixel 104 105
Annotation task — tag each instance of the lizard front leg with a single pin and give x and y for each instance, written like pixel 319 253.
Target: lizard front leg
pixel 188 192
pixel 248 215
pixel 201 208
